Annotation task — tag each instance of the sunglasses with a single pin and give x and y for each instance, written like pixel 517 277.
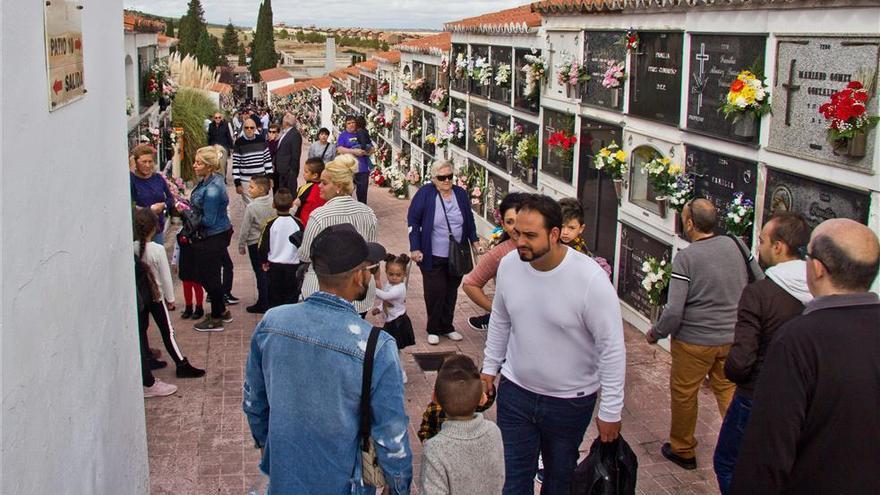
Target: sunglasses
pixel 218 118
pixel 444 178
pixel 273 132
pixel 246 127
pixel 372 268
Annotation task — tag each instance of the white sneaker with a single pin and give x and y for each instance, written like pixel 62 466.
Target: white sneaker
pixel 159 389
pixel 454 336
pixel 403 372
pixel 433 339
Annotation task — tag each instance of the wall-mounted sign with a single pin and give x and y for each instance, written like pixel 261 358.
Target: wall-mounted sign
pixel 64 52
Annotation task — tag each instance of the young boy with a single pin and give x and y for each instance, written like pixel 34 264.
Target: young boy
pixel 467 456
pixel 573 229
pixel 308 197
pixel 280 257
pixel 256 214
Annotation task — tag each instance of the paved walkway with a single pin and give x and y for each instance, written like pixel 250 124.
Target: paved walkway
pixel 199 441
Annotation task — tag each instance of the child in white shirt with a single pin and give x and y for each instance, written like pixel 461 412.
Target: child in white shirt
pixel 392 296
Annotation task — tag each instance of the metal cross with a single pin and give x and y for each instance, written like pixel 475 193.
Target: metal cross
pixel 700 80
pixel 790 87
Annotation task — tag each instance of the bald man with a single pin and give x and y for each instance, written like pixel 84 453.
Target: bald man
pixel 288 154
pixel 815 423
pixel 707 281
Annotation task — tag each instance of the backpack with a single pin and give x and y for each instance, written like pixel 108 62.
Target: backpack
pixel 609 469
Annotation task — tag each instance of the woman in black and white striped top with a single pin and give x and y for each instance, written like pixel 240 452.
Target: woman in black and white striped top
pixel 337 184
pixel 250 157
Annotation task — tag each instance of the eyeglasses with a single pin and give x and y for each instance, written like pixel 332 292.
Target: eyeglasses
pixel 249 127
pixel 218 118
pixel 372 268
pixel 273 132
pixel 811 255
pixel 444 178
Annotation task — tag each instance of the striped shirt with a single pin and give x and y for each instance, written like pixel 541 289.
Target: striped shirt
pixel 250 157
pixel 339 210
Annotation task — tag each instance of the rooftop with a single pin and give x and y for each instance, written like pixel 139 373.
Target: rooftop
pixel 392 57
pixel 274 74
pixel 560 7
pixel 437 44
pixel 519 20
pixel 321 82
pixel 134 23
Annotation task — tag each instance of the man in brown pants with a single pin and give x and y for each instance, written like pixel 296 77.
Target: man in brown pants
pixel 707 280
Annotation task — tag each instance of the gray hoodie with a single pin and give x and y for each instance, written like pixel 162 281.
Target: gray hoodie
pixel 791 276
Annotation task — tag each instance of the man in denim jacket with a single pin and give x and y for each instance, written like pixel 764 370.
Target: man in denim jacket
pixel 303 381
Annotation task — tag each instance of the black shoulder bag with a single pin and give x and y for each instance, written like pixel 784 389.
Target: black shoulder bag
pixel 460 260
pixel 745 257
pixel 372 472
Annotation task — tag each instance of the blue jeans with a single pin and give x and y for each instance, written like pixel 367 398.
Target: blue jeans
pixel 262 277
pixel 531 423
pixel 730 438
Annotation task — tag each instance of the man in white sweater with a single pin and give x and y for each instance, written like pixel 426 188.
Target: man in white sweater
pixel 556 336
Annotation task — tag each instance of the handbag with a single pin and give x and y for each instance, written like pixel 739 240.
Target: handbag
pixel 461 261
pixel 609 469
pixel 372 473
pixel 192 231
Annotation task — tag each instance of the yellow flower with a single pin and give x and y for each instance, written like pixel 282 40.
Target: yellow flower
pixel 605 152
pixel 664 161
pixel 748 93
pixel 620 156
pixel 674 169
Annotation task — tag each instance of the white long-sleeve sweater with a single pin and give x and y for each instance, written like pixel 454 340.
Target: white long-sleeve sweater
pixel 558 333
pixel 395 296
pixel 156 258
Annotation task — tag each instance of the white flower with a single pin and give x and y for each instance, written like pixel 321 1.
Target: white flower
pixel 646 284
pixel 740 102
pixel 646 267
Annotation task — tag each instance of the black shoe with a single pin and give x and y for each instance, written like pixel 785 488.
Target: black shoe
pixel 227 316
pixel 230 299
pixel 186 370
pixel 187 313
pixel 157 364
pixel 479 323
pixel 684 463
pixel 256 308
pixel 198 313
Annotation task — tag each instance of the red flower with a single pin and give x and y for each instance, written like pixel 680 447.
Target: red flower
pixel 737 86
pixel 854 85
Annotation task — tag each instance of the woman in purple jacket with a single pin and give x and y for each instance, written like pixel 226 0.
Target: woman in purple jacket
pixel 148 188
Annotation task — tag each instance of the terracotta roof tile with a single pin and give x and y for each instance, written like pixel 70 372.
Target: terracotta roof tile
pixel 578 6
pixel 352 71
pixel 339 74
pixel 369 65
pixel 510 21
pixel 392 57
pixel 131 22
pixel 437 44
pixel 290 88
pixel 222 88
pixel 560 7
pixel 321 82
pixel 274 74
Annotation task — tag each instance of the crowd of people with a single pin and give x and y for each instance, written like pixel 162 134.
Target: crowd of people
pixel 765 330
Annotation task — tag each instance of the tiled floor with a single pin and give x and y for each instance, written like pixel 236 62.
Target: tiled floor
pixel 199 442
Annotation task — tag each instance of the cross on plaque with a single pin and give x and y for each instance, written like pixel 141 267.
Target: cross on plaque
pixel 700 80
pixel 790 87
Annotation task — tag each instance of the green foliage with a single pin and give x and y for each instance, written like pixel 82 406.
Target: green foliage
pixel 230 40
pixel 263 55
pixel 300 36
pixel 169 28
pixel 283 34
pixel 191 26
pixel 189 110
pixel 362 43
pixel 242 54
pixel 207 50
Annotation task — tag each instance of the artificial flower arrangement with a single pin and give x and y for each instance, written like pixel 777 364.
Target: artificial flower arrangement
pixel 462 63
pixel 527 150
pixel 479 135
pixel 440 140
pixel 614 75
pixel 612 160
pixel 740 215
pixel 847 114
pixel 456 129
pixel 656 279
pixel 349 93
pixel 681 190
pixel 534 69
pixel 631 40
pixel 747 95
pixel 504 142
pixel 444 64
pixel 482 71
pixel 394 99
pixel 413 177
pixel 378 177
pixel 563 143
pixel 383 155
pixel 402 159
pixel 396 181
pixel 416 87
pixel 662 172
pixel 383 88
pixel 439 98
pixel 502 75
pixel 571 72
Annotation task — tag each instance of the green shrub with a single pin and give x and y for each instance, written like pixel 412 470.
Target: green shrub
pixel 190 109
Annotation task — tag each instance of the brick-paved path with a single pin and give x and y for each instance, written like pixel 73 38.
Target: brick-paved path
pixel 199 441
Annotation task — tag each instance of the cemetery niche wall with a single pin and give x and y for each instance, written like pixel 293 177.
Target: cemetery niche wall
pixel 719 177
pixel 655 79
pixel 817 201
pixel 635 248
pixel 809 70
pixel 605 50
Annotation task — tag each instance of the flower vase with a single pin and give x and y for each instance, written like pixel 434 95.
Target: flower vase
pixel 679 227
pixel 655 314
pixel 483 149
pixel 855 146
pixel 663 205
pixel 745 126
pixel 618 189
pixel 568 91
pixel 615 97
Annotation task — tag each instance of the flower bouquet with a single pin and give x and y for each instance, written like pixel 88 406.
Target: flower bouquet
pixel 479 135
pixel 378 177
pixel 739 216
pixel 656 280
pixel 383 88
pixel 439 98
pixel 440 140
pixel 413 177
pixel 504 142
pixel 416 88
pixel 848 120
pixel 444 64
pixel 747 100
pixel 681 190
pixel 563 144
pixel 456 129
pixel 482 71
pixel 396 182
pixel 570 73
pixel 631 40
pixel 662 172
pixel 534 70
pixel 462 62
pixel 612 160
pixel 502 75
pixel 527 150
pixel 614 75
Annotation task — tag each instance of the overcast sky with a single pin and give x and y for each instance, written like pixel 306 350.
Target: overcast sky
pixel 422 14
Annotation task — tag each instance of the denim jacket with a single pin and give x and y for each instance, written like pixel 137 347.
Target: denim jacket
pixel 209 198
pixel 302 395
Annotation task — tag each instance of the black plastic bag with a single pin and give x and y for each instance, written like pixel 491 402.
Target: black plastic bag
pixel 609 469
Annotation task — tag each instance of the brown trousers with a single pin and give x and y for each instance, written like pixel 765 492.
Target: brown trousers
pixel 690 365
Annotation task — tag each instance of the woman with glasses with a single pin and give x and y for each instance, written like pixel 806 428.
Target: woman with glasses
pixel 336 187
pixel 438 209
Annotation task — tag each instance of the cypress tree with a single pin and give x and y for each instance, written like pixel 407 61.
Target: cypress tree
pixel 169 28
pixel 263 55
pixel 206 50
pixel 230 39
pixel 191 27
pixel 242 55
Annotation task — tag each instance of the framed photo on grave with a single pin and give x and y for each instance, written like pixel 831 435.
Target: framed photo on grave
pixel 715 61
pixel 718 177
pixel 604 49
pixel 496 188
pixel 655 77
pixel 809 69
pixel 816 200
pixel 635 248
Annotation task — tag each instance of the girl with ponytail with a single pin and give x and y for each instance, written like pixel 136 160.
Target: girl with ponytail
pixel 393 302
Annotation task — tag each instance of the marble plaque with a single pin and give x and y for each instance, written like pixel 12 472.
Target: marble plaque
pixel 716 60
pixel 656 77
pixel 603 48
pixel 817 201
pixel 718 177
pixel 496 188
pixel 635 248
pixel 808 71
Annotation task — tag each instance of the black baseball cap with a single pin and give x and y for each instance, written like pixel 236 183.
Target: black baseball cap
pixel 340 248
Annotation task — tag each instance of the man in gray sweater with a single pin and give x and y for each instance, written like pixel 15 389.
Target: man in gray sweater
pixel 467 456
pixel 707 280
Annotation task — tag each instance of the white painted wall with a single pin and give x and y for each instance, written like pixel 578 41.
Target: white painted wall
pixel 72 403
